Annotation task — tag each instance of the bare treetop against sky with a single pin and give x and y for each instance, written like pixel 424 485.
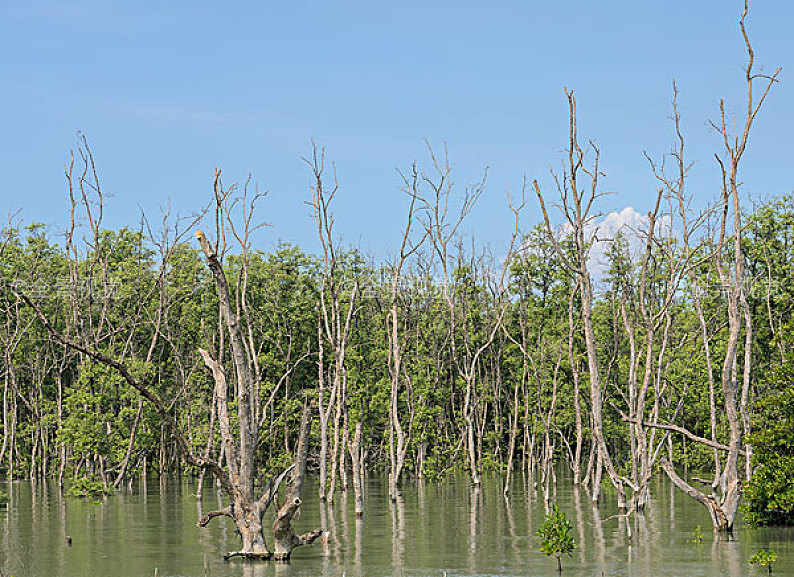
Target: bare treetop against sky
pixel 167 91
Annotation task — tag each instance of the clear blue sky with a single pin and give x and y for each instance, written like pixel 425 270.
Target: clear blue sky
pixel 166 91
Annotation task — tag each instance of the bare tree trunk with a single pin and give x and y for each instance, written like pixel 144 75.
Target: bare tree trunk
pixel 577 408
pixel 577 202
pixel 334 322
pixel 736 399
pixel 513 430
pixel 596 395
pixel 399 437
pixel 325 413
pixel 358 471
pixel 285 539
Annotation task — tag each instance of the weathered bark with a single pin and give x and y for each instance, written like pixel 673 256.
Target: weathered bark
pixel 285 538
pixel 596 395
pixel 246 451
pixel 576 465
pixel 718 517
pixel 325 410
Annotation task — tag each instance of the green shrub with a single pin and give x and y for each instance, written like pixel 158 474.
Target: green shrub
pixel 88 487
pixel 697 536
pixel 765 558
pixel 769 495
pixel 555 535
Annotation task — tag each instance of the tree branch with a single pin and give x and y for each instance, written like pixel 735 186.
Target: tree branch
pixel 143 389
pixel 225 512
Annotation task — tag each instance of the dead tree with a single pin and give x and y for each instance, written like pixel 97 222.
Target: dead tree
pixel 246 507
pixel 577 200
pixel 442 231
pixel 735 391
pixel 399 433
pixel 334 323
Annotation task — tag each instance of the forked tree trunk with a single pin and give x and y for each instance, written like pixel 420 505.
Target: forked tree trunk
pixel 577 201
pixel 246 510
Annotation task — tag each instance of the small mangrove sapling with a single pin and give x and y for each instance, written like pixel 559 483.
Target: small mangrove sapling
pixel 555 535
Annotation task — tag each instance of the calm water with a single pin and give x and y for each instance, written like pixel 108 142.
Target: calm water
pixel 430 530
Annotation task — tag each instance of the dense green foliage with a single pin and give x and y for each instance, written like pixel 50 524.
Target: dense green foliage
pixel 88 487
pixel 149 301
pixel 770 493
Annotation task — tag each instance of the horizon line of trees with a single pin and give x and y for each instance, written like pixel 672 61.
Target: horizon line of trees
pixel 387 363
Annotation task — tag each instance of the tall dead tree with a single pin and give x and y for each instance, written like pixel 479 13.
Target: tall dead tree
pixel 443 233
pixel 578 190
pixel 399 434
pixel 247 506
pixel 335 321
pixel 442 230
pixel 735 390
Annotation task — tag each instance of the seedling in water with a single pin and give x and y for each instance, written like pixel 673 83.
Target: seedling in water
pixel 555 535
pixel 765 558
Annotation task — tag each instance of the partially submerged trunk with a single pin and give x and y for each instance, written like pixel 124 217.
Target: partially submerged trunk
pixel 732 277
pixel 285 537
pixel 356 459
pixel 719 519
pixel 245 509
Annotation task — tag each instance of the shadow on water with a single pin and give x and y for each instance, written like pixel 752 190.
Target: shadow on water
pixel 429 530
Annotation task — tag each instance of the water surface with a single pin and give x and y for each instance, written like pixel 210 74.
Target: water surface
pixel 430 530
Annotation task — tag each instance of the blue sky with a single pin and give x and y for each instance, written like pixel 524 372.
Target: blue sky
pixel 165 92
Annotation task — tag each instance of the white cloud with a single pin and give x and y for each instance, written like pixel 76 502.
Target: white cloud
pixel 628 222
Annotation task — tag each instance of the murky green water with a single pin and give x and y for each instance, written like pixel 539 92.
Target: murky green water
pixel 431 530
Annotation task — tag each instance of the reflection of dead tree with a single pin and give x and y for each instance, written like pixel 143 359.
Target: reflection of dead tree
pixel 576 205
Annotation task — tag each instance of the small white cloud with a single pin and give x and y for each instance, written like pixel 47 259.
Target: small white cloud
pixel 628 222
